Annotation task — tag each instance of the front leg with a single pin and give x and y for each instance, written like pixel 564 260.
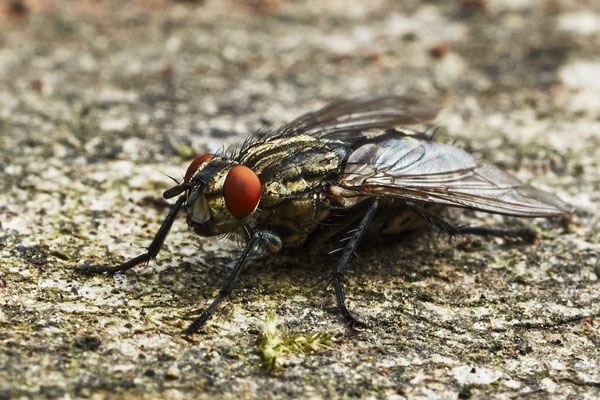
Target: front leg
pixel 271 241
pixel 153 249
pixel 342 265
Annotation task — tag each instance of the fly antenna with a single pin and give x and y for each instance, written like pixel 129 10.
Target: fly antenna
pixel 176 190
pixel 174 180
pixel 168 176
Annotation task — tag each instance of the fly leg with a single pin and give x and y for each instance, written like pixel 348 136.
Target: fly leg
pixel 453 229
pixel 153 249
pixel 272 243
pixel 342 265
pixel 525 234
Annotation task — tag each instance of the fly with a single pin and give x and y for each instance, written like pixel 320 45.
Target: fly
pixel 340 172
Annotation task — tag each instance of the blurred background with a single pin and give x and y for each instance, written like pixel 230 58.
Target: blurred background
pixel 99 100
pixel 196 70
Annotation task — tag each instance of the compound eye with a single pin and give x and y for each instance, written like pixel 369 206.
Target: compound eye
pixel 242 191
pixel 189 174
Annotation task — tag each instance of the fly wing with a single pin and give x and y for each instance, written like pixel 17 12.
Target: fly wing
pixel 342 120
pixel 433 172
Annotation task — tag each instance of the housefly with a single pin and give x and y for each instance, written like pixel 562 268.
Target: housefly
pixel 343 171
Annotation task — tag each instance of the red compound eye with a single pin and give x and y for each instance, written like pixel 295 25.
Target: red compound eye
pixel 195 164
pixel 242 191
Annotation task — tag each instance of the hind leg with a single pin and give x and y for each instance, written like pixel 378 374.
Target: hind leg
pixel 452 229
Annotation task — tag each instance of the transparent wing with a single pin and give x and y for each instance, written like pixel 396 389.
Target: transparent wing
pixel 439 173
pixel 342 120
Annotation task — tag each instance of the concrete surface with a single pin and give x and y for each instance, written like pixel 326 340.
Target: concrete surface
pixel 100 100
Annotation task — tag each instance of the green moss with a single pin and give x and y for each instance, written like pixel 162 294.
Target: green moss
pixel 274 342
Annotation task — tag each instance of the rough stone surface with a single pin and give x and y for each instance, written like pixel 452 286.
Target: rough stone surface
pixel 100 100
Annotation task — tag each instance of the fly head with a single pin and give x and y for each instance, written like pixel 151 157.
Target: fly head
pixel 221 195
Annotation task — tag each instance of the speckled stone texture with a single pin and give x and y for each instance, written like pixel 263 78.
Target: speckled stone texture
pixel 101 100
